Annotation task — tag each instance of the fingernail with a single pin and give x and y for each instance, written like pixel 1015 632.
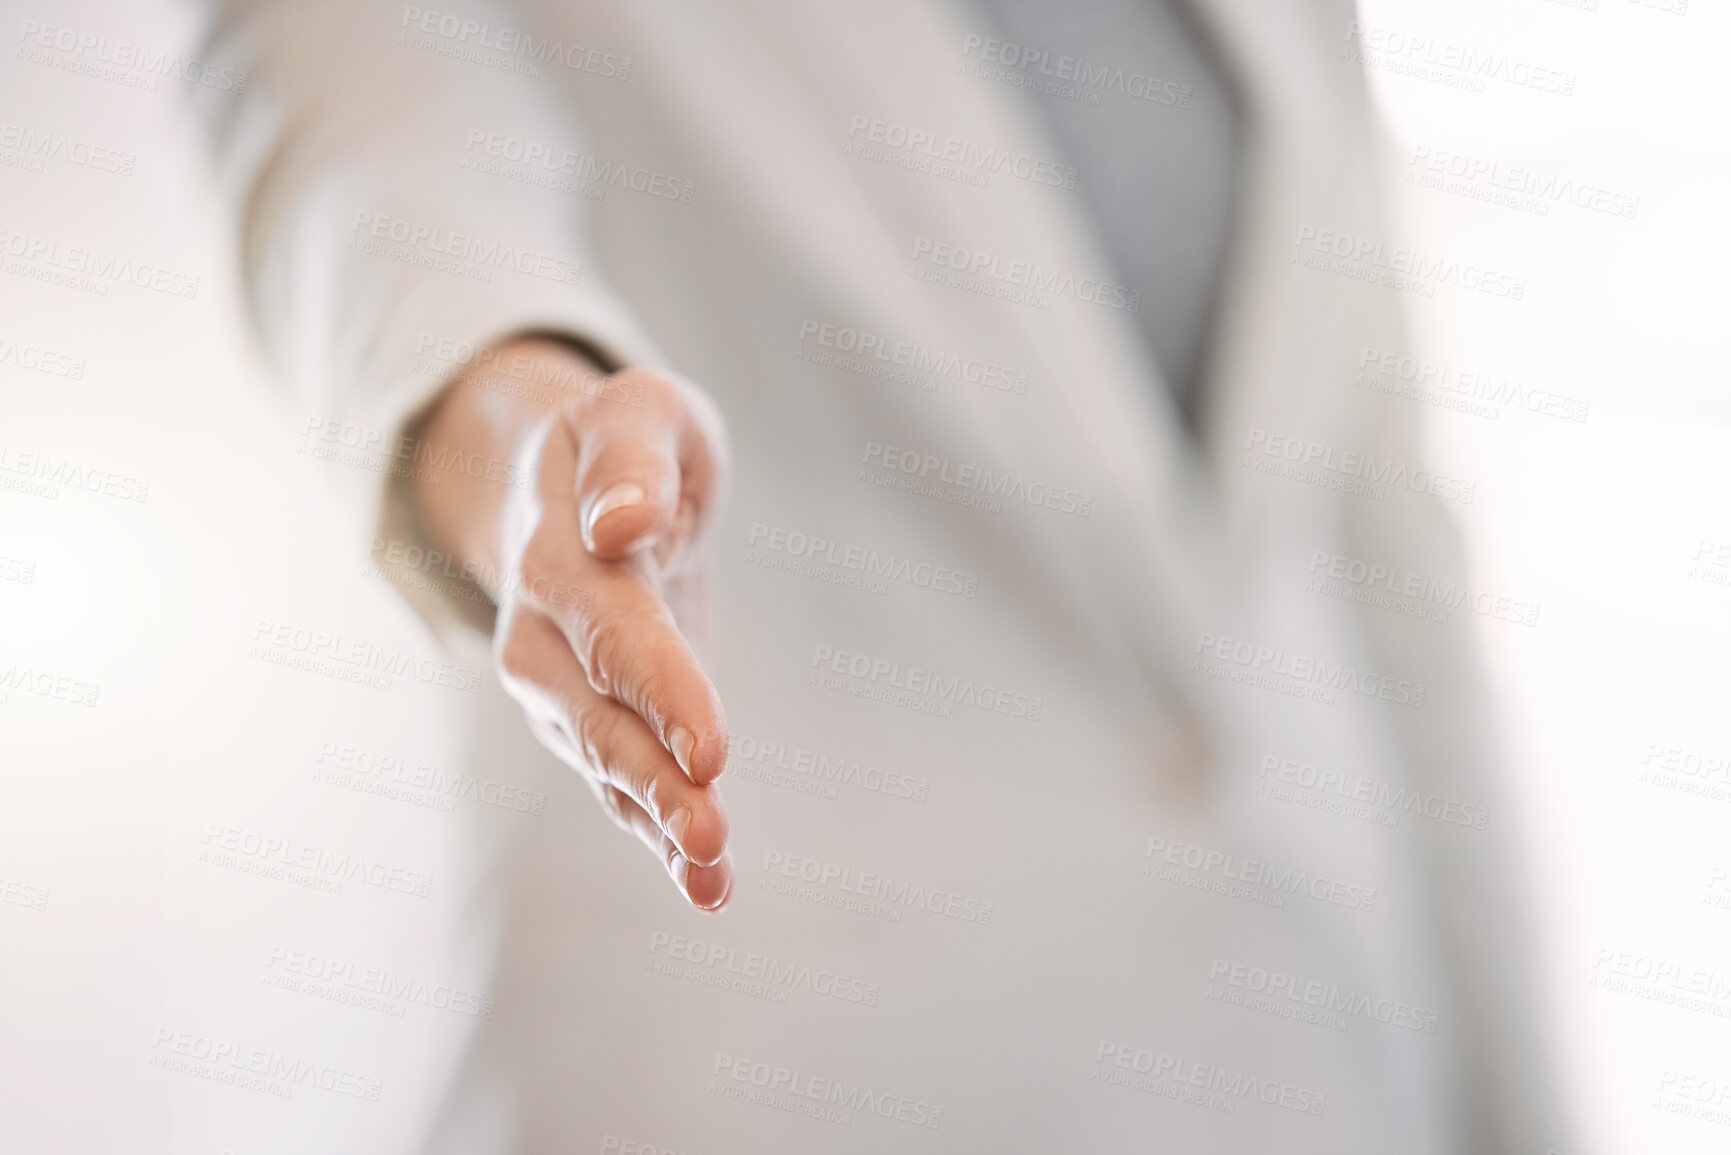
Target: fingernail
pixel 721 903
pixel 680 741
pixel 677 824
pixel 618 497
pixel 680 867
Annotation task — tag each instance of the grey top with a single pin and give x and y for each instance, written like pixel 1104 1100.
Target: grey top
pixel 1157 173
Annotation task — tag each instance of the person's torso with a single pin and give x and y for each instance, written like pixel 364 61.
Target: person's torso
pixel 1024 861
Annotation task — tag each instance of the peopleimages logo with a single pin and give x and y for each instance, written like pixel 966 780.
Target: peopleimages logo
pixel 345 980
pixel 727 966
pixel 1087 77
pixel 319 652
pixel 87 269
pixel 17 569
pixel 35 465
pixel 1695 1096
pixel 1356 796
pixel 978 270
pixel 45 684
pixel 1247 662
pixel 434 247
pixel 1208 862
pixel 1205 1084
pixel 23 894
pixel 499 154
pixel 915 143
pixel 1372 583
pixel 394 776
pixel 880 895
pixel 225 844
pixel 34 146
pixel 930 469
pixel 1687 771
pixel 849 342
pixel 867 563
pixel 1462 389
pixel 1663 980
pixel 813 771
pixel 41 359
pixel 1400 267
pixel 1492 178
pixel 107 59
pixel 1325 998
pixel 876 677
pixel 1457 65
pixel 1348 470
pixel 463 36
pixel 223 1061
pixel 804 1090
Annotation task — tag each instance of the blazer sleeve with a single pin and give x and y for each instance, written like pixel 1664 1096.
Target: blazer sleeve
pixel 375 259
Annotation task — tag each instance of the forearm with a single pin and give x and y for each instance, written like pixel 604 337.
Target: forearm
pixel 482 416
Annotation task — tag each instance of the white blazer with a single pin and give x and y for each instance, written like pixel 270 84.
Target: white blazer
pixel 1030 851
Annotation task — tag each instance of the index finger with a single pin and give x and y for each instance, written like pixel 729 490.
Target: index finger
pixel 622 631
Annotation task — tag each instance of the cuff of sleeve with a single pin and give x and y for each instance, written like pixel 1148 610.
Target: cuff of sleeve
pixel 432 350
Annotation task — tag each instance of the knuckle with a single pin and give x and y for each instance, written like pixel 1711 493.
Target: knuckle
pixel 649 692
pixel 658 797
pixel 644 671
pixel 602 650
pixel 592 729
pixel 613 804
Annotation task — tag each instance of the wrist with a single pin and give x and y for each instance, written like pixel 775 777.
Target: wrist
pixel 472 433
